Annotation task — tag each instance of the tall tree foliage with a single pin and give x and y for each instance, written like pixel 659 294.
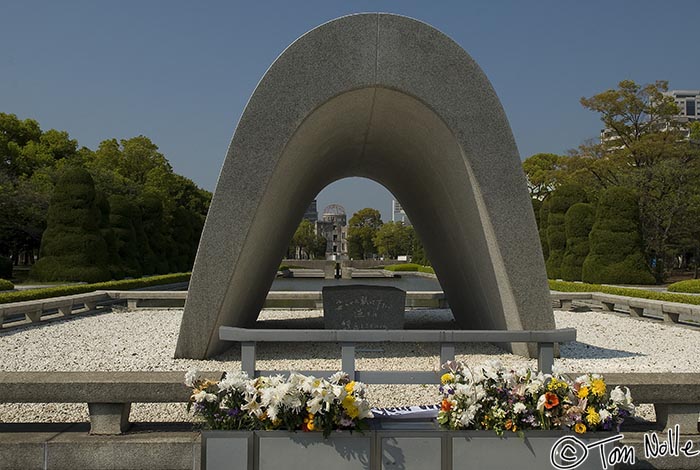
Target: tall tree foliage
pixel 362 228
pixel 646 149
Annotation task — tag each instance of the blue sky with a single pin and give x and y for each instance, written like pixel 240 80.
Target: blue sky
pixel 181 72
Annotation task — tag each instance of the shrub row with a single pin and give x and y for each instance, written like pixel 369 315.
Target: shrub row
pixel 126 284
pixel 408 267
pixel 691 286
pixel 6 285
pixel 563 286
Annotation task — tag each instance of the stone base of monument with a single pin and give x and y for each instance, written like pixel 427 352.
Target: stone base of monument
pixel 405 446
pixel 363 307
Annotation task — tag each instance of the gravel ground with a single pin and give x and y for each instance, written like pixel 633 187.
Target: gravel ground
pixel 126 340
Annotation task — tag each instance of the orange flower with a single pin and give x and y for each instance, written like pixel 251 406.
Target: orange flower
pixel 550 400
pixel 445 405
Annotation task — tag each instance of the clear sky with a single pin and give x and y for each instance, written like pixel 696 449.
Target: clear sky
pixel 181 72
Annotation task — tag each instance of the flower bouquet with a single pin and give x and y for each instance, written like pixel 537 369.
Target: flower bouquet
pixel 298 402
pixel 491 397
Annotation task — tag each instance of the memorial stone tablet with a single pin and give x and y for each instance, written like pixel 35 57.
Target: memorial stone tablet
pixel 360 307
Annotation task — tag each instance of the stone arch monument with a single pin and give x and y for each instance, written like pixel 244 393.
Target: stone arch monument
pixel 391 99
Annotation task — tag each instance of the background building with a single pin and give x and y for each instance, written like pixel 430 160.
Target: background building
pixel 333 225
pixel 398 214
pixel 311 213
pixel 688 102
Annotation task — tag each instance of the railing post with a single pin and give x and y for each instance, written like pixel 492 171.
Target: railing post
pixel 545 357
pixel 447 353
pixel 248 358
pixel 347 355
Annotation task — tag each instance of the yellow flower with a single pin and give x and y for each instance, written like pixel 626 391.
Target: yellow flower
pixel 350 408
pixel 580 428
pixel 592 416
pixel 583 392
pixel 310 426
pixel 555 385
pixel 350 387
pixel 447 378
pixel 598 386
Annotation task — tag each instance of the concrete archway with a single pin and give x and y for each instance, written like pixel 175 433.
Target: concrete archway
pixel 394 100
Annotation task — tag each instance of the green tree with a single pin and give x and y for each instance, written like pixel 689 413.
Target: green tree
pixel 72 247
pixel 304 240
pixel 362 228
pixel 122 222
pixel 646 150
pixel 14 135
pixel 393 239
pixel 158 238
pixel 615 255
pixel 543 171
pixel 579 222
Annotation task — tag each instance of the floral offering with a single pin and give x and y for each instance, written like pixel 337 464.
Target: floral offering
pixel 494 398
pixel 295 403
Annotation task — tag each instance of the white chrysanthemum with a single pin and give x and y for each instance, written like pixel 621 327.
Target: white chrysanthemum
pixel 604 414
pixel 274 396
pixel 232 381
pixel 202 396
pixel 583 380
pixel 519 408
pixel 190 377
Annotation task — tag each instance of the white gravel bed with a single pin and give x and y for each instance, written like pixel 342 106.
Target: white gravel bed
pixel 133 340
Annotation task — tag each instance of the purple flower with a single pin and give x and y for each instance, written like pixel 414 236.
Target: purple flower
pixel 233 412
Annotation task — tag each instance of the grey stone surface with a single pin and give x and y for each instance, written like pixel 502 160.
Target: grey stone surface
pixel 359 307
pixel 392 99
pixel 69 446
pixel 95 387
pixel 109 418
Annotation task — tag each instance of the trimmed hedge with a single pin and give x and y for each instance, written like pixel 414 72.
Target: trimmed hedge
pixel 6 285
pixel 563 286
pixel 691 286
pixel 72 246
pixel 616 255
pixel 410 267
pixel 126 284
pixel 578 221
pixel 559 203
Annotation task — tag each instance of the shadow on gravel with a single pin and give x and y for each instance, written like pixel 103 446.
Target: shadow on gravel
pixel 578 350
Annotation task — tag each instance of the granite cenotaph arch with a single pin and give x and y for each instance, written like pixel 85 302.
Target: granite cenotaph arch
pixel 391 99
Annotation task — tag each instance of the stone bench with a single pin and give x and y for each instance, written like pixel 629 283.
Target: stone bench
pixel 33 310
pixel 143 298
pixel 108 394
pixel 670 311
pixel 675 396
pixel 565 299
